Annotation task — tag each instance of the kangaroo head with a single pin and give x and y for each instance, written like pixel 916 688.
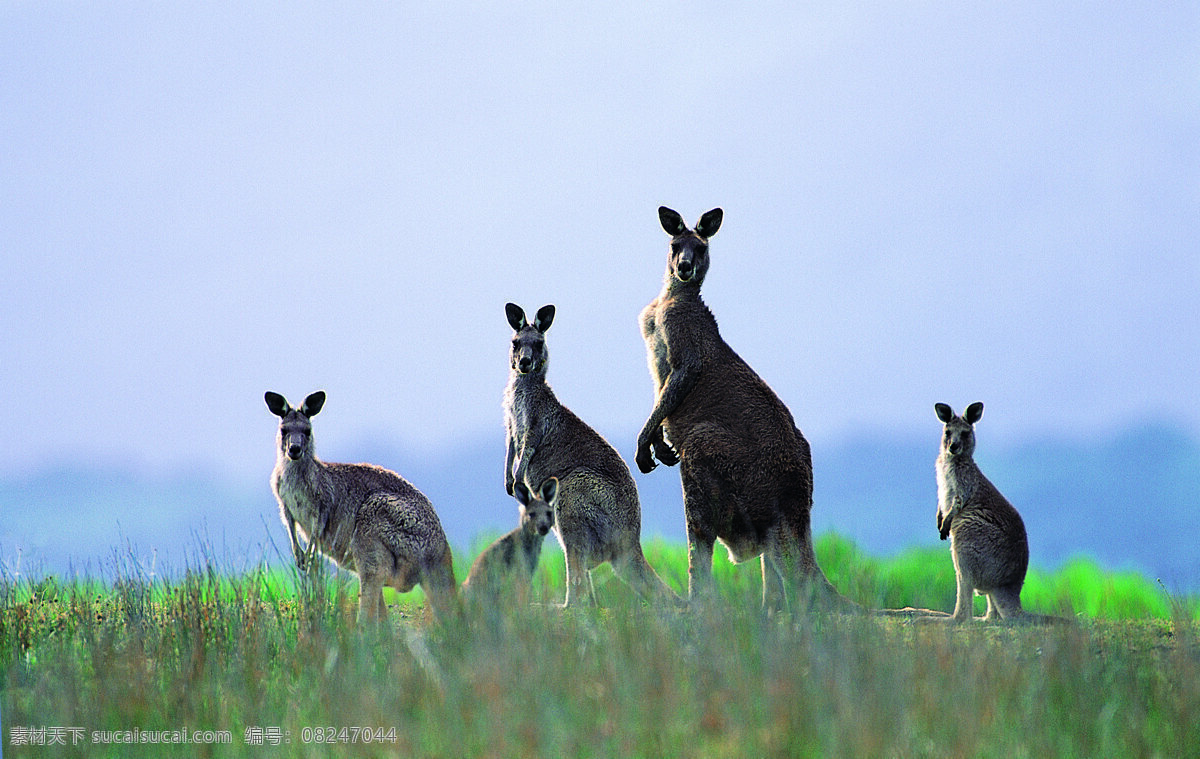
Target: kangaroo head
pixel 528 353
pixel 295 429
pixel 688 261
pixel 958 432
pixel 537 511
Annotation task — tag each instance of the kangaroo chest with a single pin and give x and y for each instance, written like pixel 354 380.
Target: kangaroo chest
pixel 655 337
pixel 525 408
pixel 676 327
pixel 297 498
pixel 956 482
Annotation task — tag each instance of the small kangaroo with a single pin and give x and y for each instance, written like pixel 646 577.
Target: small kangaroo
pixel 597 515
pixel 987 537
pixel 365 518
pixel 511 560
pixel 746 468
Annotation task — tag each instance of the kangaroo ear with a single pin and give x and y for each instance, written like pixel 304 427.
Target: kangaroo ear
pixel 516 316
pixel 710 223
pixel 521 493
pixel 313 403
pixel 944 412
pixel 545 317
pixel 671 221
pixel 974 412
pixel 277 403
pixel 549 489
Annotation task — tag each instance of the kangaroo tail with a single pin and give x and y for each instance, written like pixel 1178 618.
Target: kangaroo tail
pixel 822 594
pixel 636 571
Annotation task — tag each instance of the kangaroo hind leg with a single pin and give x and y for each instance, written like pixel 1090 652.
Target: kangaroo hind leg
pixel 779 570
pixel 1004 603
pixel 579 580
pixel 370 598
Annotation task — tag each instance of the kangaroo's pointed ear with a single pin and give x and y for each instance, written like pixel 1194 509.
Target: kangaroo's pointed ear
pixel 516 316
pixel 710 223
pixel 277 403
pixel 521 493
pixel 313 403
pixel 671 221
pixel 549 490
pixel 944 412
pixel 544 318
pixel 974 412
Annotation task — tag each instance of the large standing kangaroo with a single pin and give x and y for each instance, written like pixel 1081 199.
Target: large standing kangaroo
pixel 597 516
pixel 745 467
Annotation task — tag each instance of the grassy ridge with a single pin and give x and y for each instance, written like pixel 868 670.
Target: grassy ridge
pixel 922 577
pixel 268 649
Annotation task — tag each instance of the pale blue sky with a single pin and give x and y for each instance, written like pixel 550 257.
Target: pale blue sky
pixel 923 202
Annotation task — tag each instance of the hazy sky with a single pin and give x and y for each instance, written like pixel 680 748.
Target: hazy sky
pixel 923 202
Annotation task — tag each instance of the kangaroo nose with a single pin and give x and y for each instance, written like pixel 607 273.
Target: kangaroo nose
pixel 685 268
pixel 294 451
pixel 525 364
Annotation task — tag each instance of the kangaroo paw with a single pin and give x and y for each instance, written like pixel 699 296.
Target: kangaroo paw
pixel 645 459
pixel 665 453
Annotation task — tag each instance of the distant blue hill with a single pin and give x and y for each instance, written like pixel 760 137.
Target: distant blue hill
pixel 1132 501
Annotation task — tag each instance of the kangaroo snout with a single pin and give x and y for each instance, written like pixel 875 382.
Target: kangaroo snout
pixel 293 446
pixel 685 268
pixel 527 358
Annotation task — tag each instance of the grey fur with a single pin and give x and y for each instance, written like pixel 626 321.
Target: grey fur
pixel 365 518
pixel 597 516
pixel 510 561
pixel 987 537
pixel 746 468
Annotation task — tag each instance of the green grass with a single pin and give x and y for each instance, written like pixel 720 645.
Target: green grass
pixel 924 577
pixel 221 651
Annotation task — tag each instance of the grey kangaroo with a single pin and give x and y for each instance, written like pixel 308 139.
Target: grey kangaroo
pixel 597 515
pixel 509 562
pixel 987 537
pixel 745 467
pixel 365 518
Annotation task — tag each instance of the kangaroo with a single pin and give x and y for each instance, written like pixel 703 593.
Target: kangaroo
pixel 597 516
pixel 987 537
pixel 746 468
pixel 511 560
pixel 365 518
